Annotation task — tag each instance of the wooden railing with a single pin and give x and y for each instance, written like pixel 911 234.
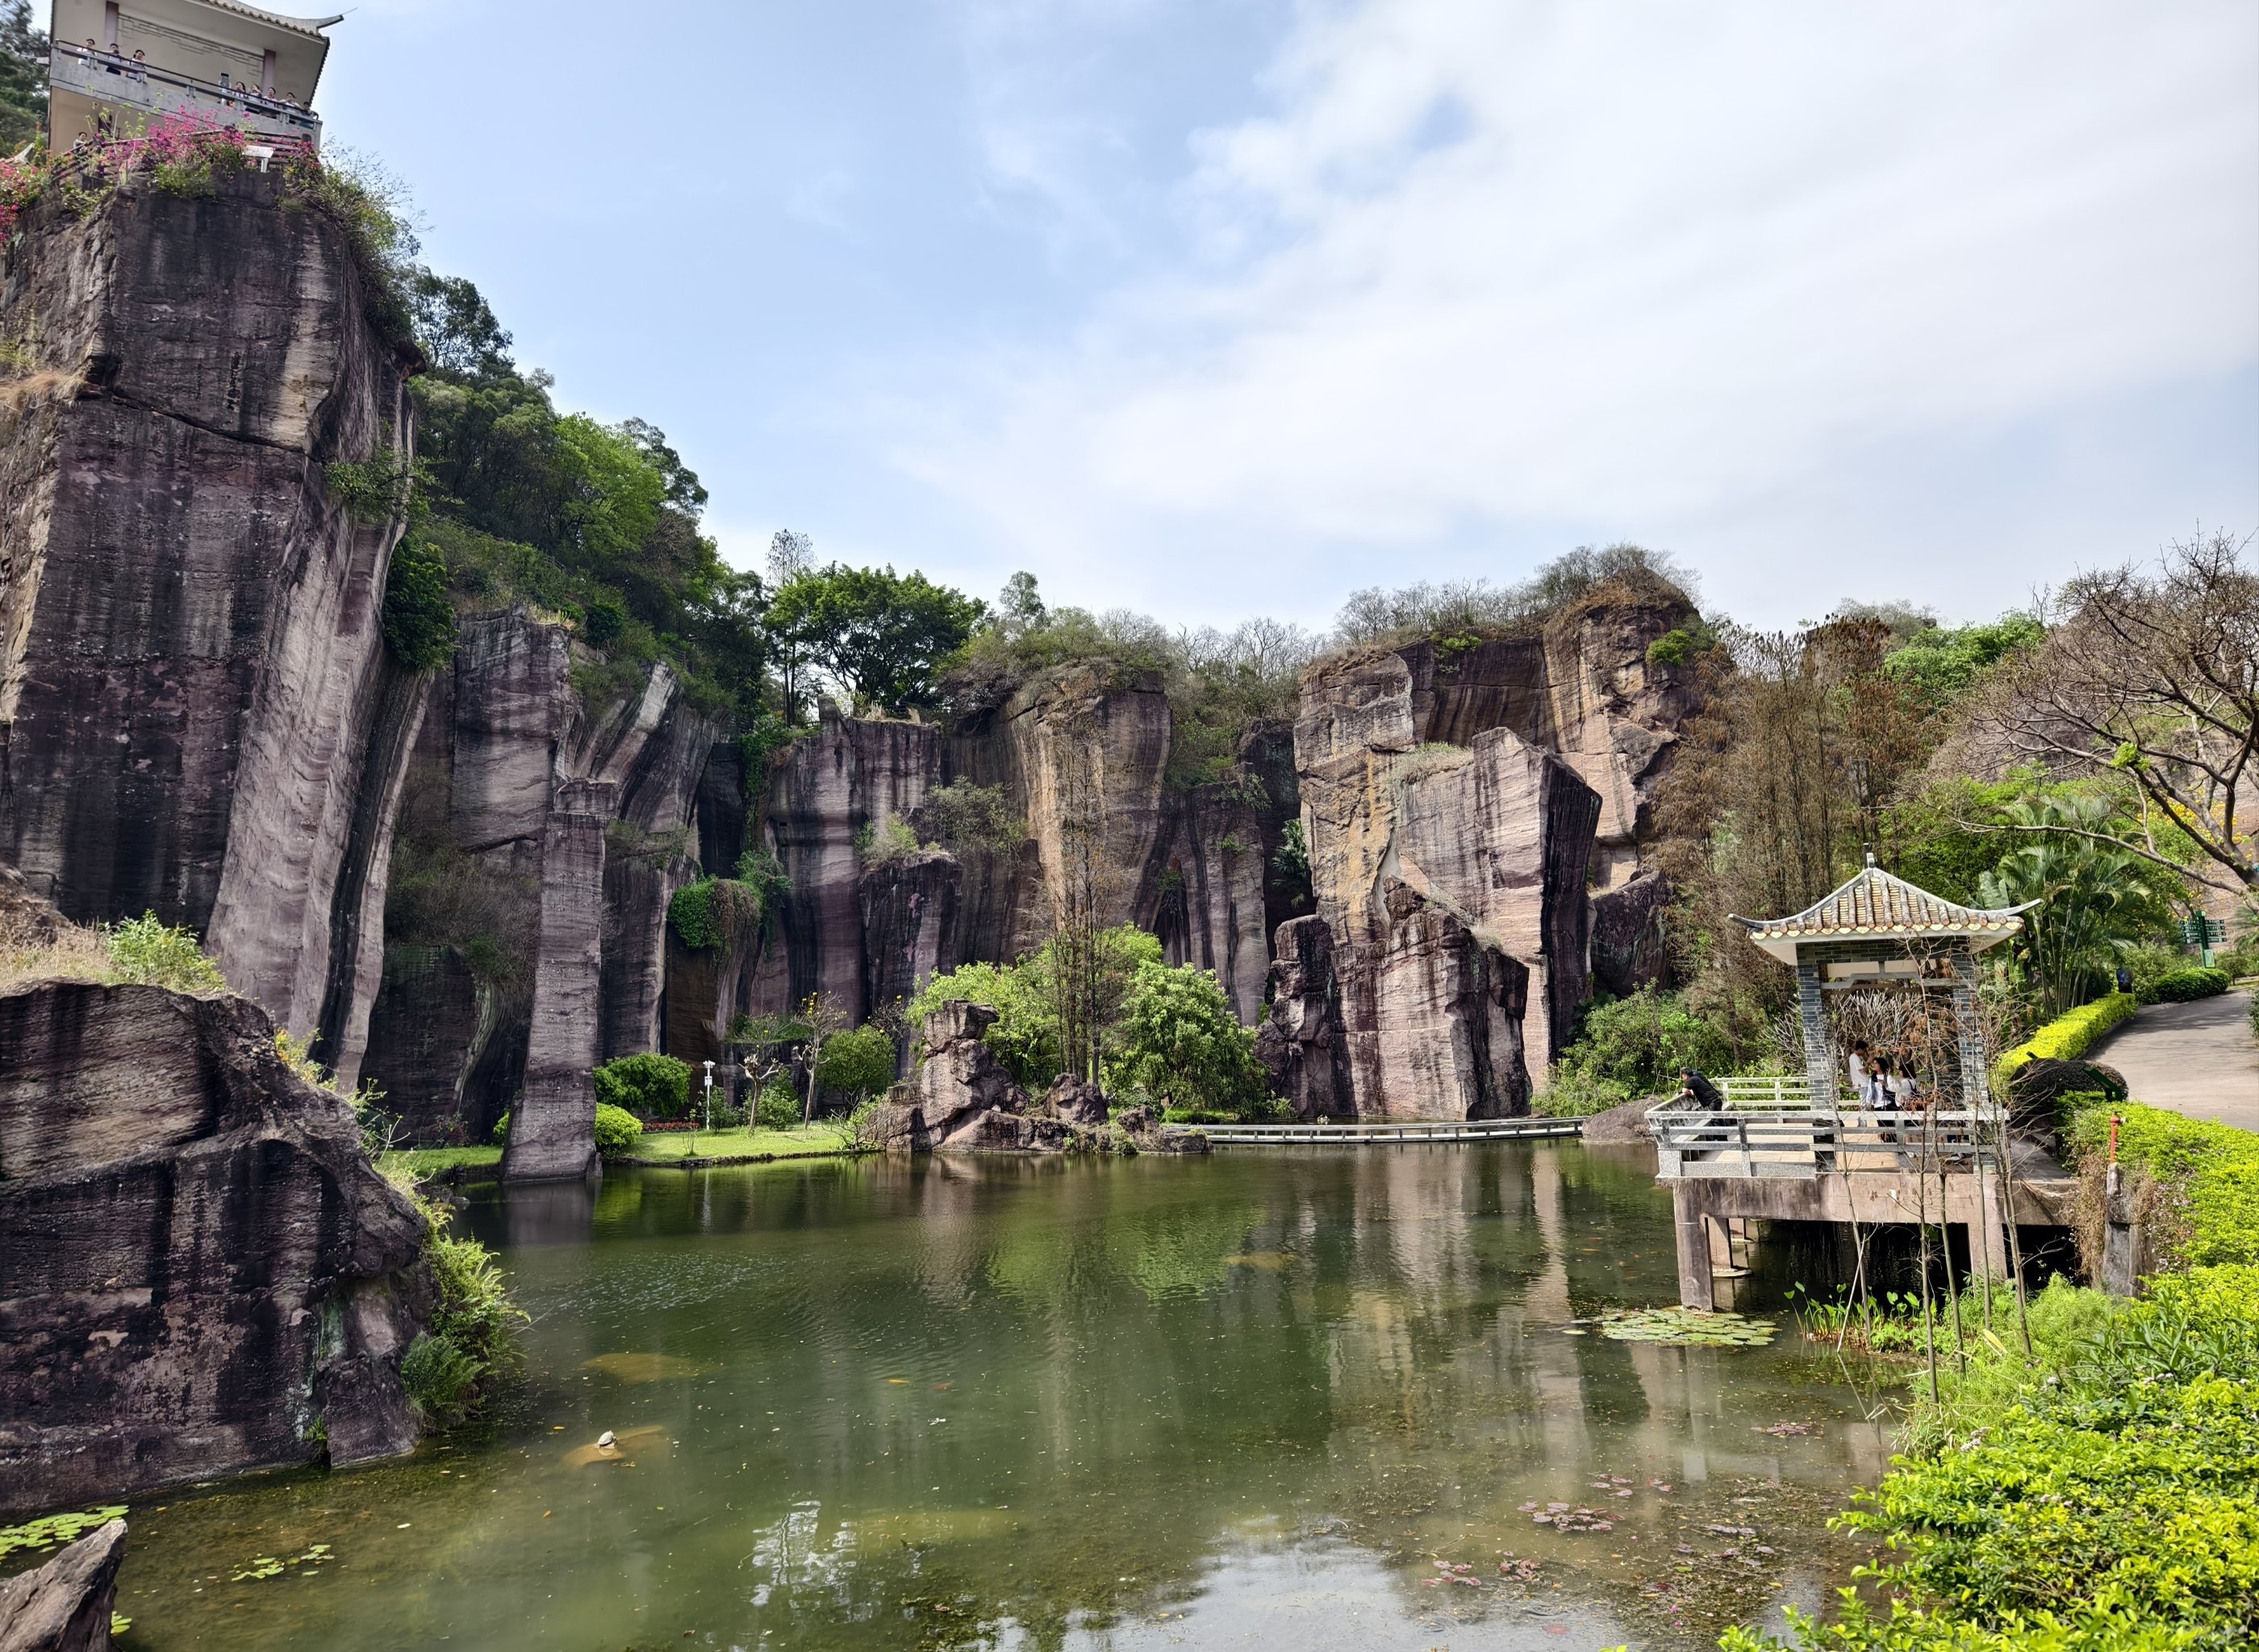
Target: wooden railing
pixel 1388 1133
pixel 1776 1090
pixel 1801 1144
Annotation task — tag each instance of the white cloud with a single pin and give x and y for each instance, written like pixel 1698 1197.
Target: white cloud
pixel 1667 268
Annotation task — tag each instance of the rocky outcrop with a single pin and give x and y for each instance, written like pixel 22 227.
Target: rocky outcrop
pixel 1303 1043
pixel 1091 752
pixel 1474 819
pixel 197 716
pixel 960 1079
pixel 1208 900
pixel 1075 1101
pixel 65 1606
pixel 552 1127
pixel 199 1272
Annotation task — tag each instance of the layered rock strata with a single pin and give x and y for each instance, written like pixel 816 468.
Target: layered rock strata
pixel 199 1272
pixel 198 716
pixel 1474 820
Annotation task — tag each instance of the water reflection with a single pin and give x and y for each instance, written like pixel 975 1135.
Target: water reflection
pixel 1275 1399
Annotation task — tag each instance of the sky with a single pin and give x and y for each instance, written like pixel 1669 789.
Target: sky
pixel 1214 307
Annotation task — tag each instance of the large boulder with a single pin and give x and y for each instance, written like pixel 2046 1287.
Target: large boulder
pixel 960 1076
pixel 200 1272
pixel 1075 1101
pixel 998 1131
pixel 65 1606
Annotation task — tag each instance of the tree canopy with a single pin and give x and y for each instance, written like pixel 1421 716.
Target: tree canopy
pixel 878 636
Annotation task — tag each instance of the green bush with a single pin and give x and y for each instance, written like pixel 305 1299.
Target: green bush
pixel 2067 1038
pixel 1025 1036
pixel 470 1349
pixel 419 616
pixel 1632 1047
pixel 1178 1041
pixel 617 1130
pixel 860 1062
pixel 2215 1168
pixel 652 1087
pixel 502 1129
pixel 2182 985
pixel 148 953
pixel 1672 648
pixel 691 915
pixel 778 1108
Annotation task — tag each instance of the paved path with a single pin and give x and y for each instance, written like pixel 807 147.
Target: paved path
pixel 2195 1058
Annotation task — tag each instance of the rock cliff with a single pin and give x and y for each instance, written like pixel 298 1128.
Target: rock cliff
pixel 199 1272
pixel 197 716
pixel 1473 817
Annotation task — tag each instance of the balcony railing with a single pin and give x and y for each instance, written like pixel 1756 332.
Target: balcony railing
pixel 1802 1144
pixel 143 86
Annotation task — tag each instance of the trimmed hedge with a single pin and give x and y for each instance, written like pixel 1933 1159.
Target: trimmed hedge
pixel 2066 1037
pixel 2215 1167
pixel 617 1130
pixel 2181 986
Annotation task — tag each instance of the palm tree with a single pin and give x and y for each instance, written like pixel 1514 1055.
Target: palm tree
pixel 2095 901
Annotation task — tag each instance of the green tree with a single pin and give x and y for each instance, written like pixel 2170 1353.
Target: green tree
pixel 419 616
pixel 1635 1046
pixel 1178 1041
pixel 2095 898
pixel 860 1062
pixel 1026 999
pixel 22 76
pixel 654 1087
pixel 1941 664
pixel 878 635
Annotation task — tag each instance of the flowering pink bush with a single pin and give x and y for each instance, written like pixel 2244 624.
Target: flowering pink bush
pixel 182 139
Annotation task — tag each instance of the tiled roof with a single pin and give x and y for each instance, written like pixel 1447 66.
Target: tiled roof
pixel 1877 904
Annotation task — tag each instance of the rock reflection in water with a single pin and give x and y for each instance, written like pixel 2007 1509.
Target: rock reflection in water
pixel 1272 1398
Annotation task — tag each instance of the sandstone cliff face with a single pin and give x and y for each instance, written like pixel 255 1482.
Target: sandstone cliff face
pixel 198 1265
pixel 197 714
pixel 507 738
pixel 1473 820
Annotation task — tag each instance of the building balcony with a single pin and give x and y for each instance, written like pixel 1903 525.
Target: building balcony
pixel 138 94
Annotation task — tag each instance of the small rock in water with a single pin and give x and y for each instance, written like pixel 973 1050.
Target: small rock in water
pixel 604 1441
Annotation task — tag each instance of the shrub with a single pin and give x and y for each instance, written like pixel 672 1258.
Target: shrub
pixel 148 953
pixel 778 1108
pixel 617 1130
pixel 1178 1041
pixel 419 617
pixel 691 915
pixel 2067 1038
pixel 2181 986
pixel 2213 1168
pixel 603 621
pixel 1672 648
pixel 502 1129
pixel 860 1062
pixel 1633 1046
pixel 654 1087
pixel 886 843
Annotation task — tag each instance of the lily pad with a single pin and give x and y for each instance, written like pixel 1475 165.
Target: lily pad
pixel 1686 1328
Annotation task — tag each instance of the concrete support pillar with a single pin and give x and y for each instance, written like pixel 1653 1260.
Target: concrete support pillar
pixel 1691 1224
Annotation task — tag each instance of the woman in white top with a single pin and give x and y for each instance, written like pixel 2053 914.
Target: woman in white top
pixel 1856 1062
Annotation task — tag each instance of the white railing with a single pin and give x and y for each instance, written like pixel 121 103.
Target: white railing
pixel 1800 1144
pixel 159 91
pixel 1776 1090
pixel 1385 1133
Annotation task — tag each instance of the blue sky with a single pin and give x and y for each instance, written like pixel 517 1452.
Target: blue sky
pixel 1233 307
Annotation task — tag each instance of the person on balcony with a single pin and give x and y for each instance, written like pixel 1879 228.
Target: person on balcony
pixel 93 54
pixel 140 68
pixel 1856 1063
pixel 1694 1089
pixel 114 60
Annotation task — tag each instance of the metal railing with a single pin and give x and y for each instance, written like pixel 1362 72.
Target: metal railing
pixel 1800 1144
pixel 98 75
pixel 1389 1133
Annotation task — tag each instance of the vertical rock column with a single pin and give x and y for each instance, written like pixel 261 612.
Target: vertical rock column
pixel 553 1130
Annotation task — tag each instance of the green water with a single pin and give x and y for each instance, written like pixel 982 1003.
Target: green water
pixel 1243 1401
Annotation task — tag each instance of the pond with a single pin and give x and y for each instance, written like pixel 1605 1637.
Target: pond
pixel 1273 1397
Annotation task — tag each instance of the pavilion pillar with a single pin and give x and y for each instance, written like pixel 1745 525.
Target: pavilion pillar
pixel 1970 1032
pixel 1819 1058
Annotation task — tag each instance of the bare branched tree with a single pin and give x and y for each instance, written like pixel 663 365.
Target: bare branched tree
pixel 825 1014
pixel 2153 674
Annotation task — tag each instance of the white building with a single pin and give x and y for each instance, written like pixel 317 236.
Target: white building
pixel 116 67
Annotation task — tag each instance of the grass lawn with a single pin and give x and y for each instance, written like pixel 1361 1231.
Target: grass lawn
pixel 659 1144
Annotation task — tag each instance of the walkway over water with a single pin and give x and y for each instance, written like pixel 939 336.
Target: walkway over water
pixel 1387 1133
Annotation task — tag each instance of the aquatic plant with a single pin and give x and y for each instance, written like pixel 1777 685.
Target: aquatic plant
pixel 52 1531
pixel 1685 1327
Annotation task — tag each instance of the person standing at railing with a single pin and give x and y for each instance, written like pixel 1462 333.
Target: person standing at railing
pixel 1856 1063
pixel 1694 1089
pixel 140 68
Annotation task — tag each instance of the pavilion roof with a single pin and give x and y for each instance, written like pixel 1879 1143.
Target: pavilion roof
pixel 1875 906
